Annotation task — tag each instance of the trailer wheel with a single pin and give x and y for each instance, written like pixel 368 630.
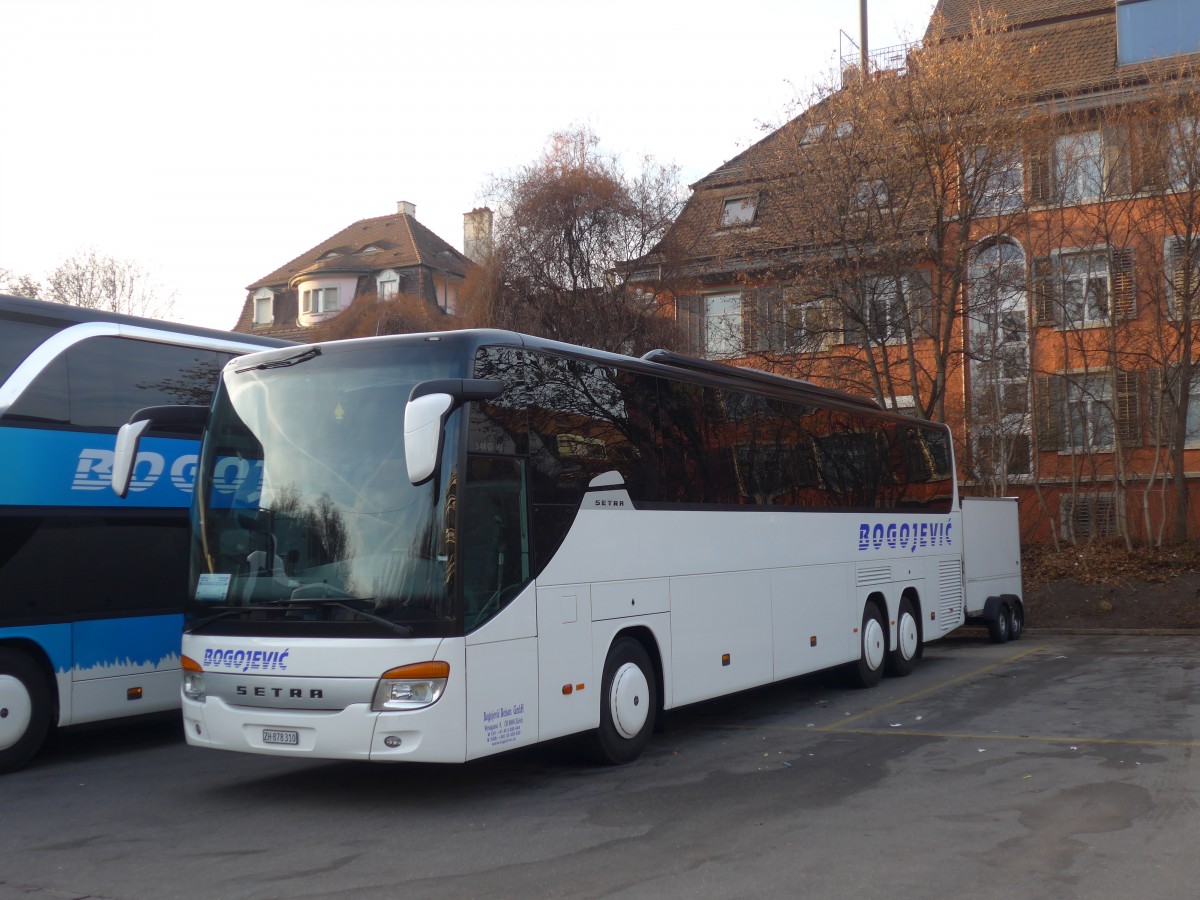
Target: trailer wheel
pixel 908 641
pixel 628 702
pixel 26 706
pixel 1016 622
pixel 998 628
pixel 868 670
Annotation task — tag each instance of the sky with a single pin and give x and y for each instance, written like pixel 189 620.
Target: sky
pixel 212 143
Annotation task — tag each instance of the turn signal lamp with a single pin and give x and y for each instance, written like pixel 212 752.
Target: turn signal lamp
pixel 193 680
pixel 411 687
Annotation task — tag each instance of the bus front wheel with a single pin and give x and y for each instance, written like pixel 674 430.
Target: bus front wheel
pixel 25 709
pixel 628 702
pixel 868 671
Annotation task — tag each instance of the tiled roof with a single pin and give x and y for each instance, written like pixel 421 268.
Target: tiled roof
pixel 401 242
pixel 1075 53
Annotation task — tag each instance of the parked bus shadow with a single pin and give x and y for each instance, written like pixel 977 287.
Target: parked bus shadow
pixel 98 740
pixel 560 764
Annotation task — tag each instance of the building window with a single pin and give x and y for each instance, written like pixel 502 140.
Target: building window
pixel 264 307
pixel 319 300
pixel 998 319
pixel 1079 166
pixel 739 211
pixel 1083 279
pixel 997 178
pixel 1183 154
pixel 871 193
pixel 1089 412
pixel 1084 288
pixel 723 324
pixel 1089 416
pixel 810 325
pixel 712 324
pixel 387 285
pixel 1166 395
pixel 889 308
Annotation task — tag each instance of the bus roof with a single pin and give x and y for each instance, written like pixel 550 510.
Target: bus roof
pixel 65 314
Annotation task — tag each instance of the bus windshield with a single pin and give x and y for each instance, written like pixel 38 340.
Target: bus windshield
pixel 304 511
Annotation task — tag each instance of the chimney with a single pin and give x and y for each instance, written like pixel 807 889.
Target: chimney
pixel 477 235
pixel 405 208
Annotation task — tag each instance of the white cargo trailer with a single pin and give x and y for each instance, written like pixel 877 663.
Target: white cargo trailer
pixel 992 566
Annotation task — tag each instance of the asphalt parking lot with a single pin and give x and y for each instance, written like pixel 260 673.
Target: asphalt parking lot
pixel 1059 766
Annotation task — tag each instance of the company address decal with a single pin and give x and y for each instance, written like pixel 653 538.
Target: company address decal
pixel 906 536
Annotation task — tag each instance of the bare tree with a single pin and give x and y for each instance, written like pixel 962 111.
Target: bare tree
pixel 567 226
pixel 94 281
pixel 878 186
pixel 368 316
pixel 20 285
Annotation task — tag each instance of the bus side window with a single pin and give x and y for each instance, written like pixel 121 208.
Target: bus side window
pixel 114 377
pixel 493 537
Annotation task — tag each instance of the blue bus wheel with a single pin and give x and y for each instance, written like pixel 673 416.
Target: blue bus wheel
pixel 25 709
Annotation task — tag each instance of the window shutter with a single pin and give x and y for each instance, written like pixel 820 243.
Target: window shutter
pixel 689 314
pixel 1163 388
pixel 853 328
pixel 1149 168
pixel 1121 272
pixel 1183 274
pixel 1045 297
pixel 920 302
pixel 1129 408
pixel 1049 407
pixel 1041 175
pixel 1116 159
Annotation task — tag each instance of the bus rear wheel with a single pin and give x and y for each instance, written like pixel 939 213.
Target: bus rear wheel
pixel 628 703
pixel 908 640
pixel 25 709
pixel 868 671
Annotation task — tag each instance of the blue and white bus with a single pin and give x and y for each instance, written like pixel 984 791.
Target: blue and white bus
pixel 92 586
pixel 439 547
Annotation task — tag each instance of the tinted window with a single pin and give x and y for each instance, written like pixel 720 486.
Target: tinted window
pixel 100 382
pixel 18 340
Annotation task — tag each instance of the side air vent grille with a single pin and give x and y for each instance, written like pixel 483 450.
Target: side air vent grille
pixel 868 575
pixel 950 593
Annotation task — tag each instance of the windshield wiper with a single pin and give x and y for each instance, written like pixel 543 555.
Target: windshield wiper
pixel 305 356
pixel 194 626
pixel 342 604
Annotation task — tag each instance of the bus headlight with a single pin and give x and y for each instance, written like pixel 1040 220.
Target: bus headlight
pixel 193 680
pixel 411 687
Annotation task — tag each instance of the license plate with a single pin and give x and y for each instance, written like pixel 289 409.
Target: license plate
pixel 275 736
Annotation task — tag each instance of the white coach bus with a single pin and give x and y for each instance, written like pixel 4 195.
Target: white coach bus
pixel 438 547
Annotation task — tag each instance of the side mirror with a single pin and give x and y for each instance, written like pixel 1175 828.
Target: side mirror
pixel 425 414
pixel 188 419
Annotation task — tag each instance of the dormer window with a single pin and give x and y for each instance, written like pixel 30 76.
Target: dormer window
pixel 387 284
pixel 319 300
pixel 264 306
pixel 370 248
pixel 332 254
pixel 739 211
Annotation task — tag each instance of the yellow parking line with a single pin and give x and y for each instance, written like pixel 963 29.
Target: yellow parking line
pixel 931 690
